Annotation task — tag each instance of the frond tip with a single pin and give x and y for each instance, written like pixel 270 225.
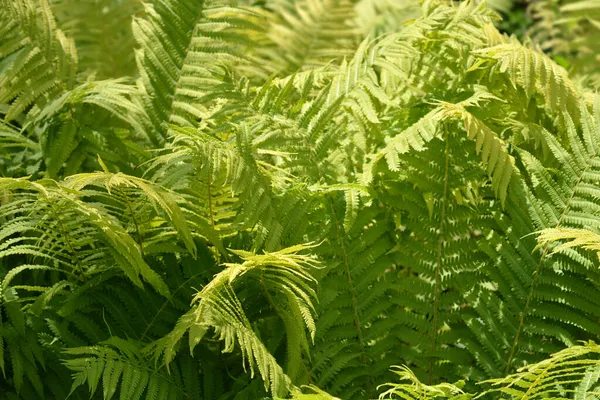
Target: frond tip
pixel 417 390
pixel 571 371
pixel 582 238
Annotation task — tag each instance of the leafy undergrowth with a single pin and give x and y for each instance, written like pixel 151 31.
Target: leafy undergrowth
pixel 286 199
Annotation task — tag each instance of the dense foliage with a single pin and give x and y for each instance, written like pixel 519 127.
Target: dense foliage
pixel 354 198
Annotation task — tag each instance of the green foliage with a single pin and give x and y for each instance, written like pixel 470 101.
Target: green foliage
pixel 568 29
pixel 102 34
pixel 571 373
pixel 242 199
pixel 417 390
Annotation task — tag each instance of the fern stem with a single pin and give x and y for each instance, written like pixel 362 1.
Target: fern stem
pixel 536 275
pixel 187 51
pixel 440 247
pixel 357 319
pixel 63 231
pixel 167 302
pixel 210 208
pixel 340 235
pixel 135 223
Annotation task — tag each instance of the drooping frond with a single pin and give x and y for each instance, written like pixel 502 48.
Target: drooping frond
pixel 64 234
pixel 495 158
pixel 534 73
pixel 131 194
pixel 282 278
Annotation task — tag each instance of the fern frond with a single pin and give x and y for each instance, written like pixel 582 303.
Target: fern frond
pixel 22 156
pixel 117 365
pixel 283 276
pixel 582 238
pixel 417 390
pixel 102 34
pixel 534 72
pixel 562 375
pixel 66 144
pixel 559 193
pixel 62 230
pixel 180 65
pixel 19 349
pixel 42 61
pixel 237 190
pixel 164 202
pixel 499 164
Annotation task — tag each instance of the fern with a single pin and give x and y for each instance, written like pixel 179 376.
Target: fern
pixel 102 33
pixel 116 365
pixel 43 61
pixel 417 390
pixel 283 278
pixel 568 374
pixel 176 151
pixel 312 33
pixel 179 66
pixel 566 30
pixel 564 375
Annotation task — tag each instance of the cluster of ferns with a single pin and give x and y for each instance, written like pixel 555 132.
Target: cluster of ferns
pixel 307 199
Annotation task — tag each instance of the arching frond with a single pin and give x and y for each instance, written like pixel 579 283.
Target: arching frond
pixel 51 224
pixel 286 284
pixel 535 73
pixel 118 185
pixel 495 158
pixel 570 373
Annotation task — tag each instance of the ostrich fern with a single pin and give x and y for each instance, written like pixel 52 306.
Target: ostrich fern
pixel 239 200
